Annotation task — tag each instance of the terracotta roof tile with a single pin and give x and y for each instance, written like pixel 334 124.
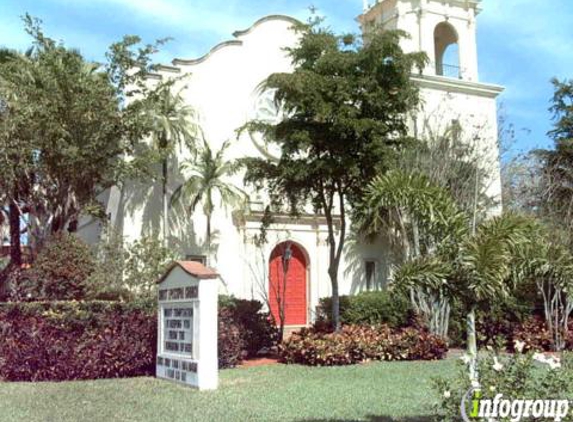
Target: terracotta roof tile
pixel 195 269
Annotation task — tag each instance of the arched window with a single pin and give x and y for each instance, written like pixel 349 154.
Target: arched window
pixel 447 51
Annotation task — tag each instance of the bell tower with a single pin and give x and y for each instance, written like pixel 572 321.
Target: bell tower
pixel 444 29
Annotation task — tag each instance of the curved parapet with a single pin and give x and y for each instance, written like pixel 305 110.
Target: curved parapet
pixel 220 46
pixel 230 43
pixel 268 18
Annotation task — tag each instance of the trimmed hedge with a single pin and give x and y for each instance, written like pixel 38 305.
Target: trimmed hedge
pixel 61 341
pixel 356 344
pixel 369 308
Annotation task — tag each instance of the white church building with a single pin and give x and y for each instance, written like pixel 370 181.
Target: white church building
pixel 222 87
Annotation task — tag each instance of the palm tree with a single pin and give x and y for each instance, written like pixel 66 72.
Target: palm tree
pixel 477 272
pixel 206 177
pixel 419 218
pixel 172 125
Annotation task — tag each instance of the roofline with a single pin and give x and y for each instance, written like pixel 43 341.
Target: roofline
pixel 188 62
pixel 212 276
pixel 229 43
pixel 167 68
pixel 264 19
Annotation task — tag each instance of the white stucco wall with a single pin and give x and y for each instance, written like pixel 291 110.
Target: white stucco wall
pixel 222 87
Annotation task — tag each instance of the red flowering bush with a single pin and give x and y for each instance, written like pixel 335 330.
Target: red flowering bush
pixel 355 344
pixel 76 340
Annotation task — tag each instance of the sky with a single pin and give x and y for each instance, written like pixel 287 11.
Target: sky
pixel 522 44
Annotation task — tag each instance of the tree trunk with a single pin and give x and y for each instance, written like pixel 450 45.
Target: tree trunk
pixel 208 239
pixel 164 177
pixel 335 299
pixel 15 245
pixel 73 225
pixel 472 343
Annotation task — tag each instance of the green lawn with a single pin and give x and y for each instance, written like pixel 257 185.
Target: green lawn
pixel 381 392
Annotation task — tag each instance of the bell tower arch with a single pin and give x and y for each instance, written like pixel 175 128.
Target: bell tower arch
pixel 444 29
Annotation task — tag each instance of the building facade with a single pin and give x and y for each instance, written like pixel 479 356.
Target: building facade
pixel 222 87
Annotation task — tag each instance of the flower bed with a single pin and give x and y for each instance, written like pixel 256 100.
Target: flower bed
pixel 355 344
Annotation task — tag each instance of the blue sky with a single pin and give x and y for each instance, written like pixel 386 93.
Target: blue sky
pixel 522 43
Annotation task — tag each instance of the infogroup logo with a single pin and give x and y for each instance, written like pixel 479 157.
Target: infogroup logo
pixel 475 408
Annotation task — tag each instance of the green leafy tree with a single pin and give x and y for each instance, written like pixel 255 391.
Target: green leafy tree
pixel 208 178
pixel 67 126
pixel 14 163
pixel 172 127
pixel 345 115
pixel 553 192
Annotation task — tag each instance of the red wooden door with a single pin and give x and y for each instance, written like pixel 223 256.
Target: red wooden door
pixel 291 290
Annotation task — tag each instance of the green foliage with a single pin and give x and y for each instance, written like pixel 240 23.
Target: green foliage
pixel 230 342
pixel 480 268
pixel 172 125
pixel 345 115
pixel 516 377
pixel 356 344
pixel 66 126
pixel 146 262
pixel 370 308
pixel 60 272
pixel 107 282
pixel 556 195
pixel 207 176
pixel 128 271
pixel 256 329
pixel 418 215
pixel 548 263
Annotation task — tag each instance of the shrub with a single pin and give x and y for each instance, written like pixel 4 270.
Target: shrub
pixel 230 340
pixel 147 260
pixel 383 307
pixel 534 334
pixel 355 344
pixel 60 341
pixel 59 272
pixel 107 282
pixel 516 377
pixel 256 328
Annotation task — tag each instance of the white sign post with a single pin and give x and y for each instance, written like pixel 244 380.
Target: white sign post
pixel 187 326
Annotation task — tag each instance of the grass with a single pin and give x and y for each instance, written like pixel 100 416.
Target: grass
pixel 375 392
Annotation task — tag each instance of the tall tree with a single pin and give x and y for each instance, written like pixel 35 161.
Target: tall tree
pixel 13 166
pixel 346 105
pixel 208 178
pixel 67 125
pixel 172 127
pixel 556 200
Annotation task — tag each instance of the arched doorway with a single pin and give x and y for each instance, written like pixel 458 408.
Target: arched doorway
pixel 288 283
